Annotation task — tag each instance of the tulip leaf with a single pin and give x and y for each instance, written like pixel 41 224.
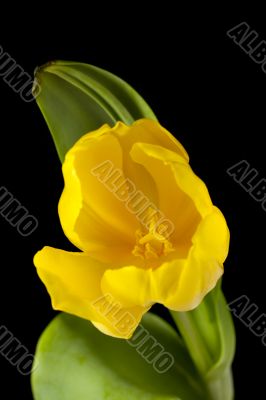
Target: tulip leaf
pixel 75 361
pixel 77 98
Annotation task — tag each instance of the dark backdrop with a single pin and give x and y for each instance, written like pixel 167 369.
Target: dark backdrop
pixel 203 88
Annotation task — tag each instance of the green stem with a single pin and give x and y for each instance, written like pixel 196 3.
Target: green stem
pixel 187 326
pixel 208 333
pixel 223 387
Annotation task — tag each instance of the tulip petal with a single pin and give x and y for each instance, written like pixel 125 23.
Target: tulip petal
pixel 92 216
pixel 161 162
pixel 178 284
pixel 153 285
pixel 150 131
pixel 183 197
pixel 73 282
pixel 204 265
pixel 146 131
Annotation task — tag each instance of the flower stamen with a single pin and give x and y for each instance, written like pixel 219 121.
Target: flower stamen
pixel 150 244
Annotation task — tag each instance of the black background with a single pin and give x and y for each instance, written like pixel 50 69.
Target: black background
pixel 202 87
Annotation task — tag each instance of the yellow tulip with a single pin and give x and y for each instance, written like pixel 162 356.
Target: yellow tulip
pixel 145 224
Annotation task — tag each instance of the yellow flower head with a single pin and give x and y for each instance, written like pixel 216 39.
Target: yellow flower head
pixel 145 224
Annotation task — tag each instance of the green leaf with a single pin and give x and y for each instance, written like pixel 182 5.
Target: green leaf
pixel 75 361
pixel 209 334
pixel 77 98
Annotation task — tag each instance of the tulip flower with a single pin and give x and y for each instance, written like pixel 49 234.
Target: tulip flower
pixel 146 232
pixel 123 252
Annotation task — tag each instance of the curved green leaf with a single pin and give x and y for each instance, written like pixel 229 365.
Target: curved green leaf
pixel 77 98
pixel 75 361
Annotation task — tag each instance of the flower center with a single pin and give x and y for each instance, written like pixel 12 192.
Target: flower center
pixel 150 244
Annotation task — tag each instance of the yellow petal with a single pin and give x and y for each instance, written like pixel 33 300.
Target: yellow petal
pixel 133 285
pixel 183 197
pixel 204 265
pixel 92 217
pixel 161 163
pixel 146 131
pixel 178 284
pixel 73 281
